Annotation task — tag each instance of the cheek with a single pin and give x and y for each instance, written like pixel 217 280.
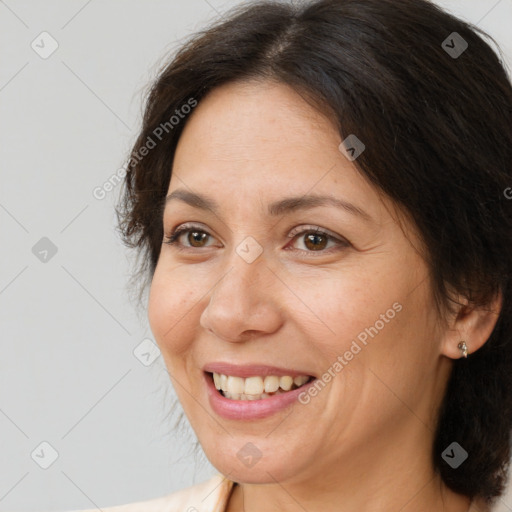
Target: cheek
pixel 344 306
pixel 171 311
pixel 367 319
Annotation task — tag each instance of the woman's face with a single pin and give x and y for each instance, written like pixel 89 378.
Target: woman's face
pixel 251 285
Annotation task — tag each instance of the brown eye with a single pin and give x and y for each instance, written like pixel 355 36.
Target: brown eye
pixel 195 238
pixel 315 241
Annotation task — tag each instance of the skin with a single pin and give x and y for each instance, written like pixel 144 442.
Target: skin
pixel 364 442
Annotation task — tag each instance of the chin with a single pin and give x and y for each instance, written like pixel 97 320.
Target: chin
pixel 246 465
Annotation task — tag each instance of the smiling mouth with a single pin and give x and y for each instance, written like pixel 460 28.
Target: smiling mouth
pixel 256 387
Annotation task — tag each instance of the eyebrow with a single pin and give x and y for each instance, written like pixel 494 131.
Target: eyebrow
pixel 281 207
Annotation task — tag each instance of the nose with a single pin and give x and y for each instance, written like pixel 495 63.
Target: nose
pixel 244 302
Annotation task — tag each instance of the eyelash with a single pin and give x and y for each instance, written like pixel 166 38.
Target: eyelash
pixel 173 239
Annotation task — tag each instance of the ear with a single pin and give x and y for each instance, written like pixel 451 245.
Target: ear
pixel 471 324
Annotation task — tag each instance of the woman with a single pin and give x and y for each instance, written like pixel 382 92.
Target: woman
pixel 319 196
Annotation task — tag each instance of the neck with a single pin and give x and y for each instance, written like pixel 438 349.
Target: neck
pixel 281 498
pixel 386 477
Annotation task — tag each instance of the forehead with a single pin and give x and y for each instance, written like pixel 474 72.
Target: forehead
pixel 250 146
pixel 256 121
pixel 246 133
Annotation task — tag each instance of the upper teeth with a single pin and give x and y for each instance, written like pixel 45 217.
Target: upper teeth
pixel 256 385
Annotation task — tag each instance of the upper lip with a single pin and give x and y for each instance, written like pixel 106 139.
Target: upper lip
pixel 250 370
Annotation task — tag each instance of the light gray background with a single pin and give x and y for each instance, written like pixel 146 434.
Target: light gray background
pixel 68 372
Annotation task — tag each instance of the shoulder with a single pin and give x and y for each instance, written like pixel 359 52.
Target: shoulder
pixel 208 496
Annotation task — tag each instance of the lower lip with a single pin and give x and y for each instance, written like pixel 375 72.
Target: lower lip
pixel 250 409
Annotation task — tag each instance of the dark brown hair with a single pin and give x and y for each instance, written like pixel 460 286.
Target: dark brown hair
pixel 438 136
